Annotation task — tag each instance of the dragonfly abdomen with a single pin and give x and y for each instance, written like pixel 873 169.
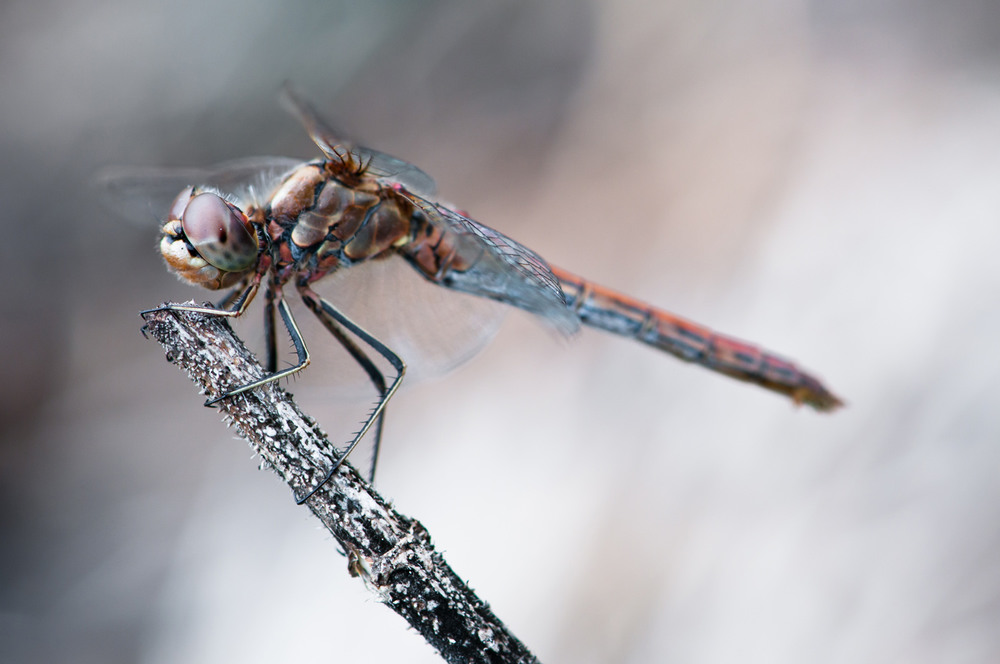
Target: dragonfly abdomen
pixel 611 311
pixel 435 252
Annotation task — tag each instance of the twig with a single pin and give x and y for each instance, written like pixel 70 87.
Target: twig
pixel 392 553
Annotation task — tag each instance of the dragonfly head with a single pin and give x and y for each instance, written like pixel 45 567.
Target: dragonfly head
pixel 208 241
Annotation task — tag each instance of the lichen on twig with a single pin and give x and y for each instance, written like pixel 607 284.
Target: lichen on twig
pixel 391 552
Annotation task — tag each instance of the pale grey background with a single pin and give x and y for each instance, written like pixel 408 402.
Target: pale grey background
pixel 820 177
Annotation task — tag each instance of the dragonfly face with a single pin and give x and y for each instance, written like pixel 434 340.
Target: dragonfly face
pixel 208 241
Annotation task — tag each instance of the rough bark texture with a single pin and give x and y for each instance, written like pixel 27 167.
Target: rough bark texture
pixel 392 553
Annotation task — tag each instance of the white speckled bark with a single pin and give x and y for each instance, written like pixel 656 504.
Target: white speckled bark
pixel 392 553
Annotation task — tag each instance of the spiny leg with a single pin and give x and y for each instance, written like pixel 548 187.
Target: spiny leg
pixel 230 297
pixel 239 304
pixel 270 338
pixel 374 373
pixel 300 350
pixel 318 304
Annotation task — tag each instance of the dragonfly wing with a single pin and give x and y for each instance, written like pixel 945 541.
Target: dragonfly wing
pixel 335 144
pixel 392 169
pixel 145 194
pixel 501 269
pixel 433 329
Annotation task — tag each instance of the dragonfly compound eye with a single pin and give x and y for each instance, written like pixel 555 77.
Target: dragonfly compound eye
pixel 180 203
pixel 220 233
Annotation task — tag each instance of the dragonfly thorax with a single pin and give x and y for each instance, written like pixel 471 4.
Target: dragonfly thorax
pixel 322 217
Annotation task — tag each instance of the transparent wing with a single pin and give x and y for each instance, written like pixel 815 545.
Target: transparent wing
pixel 334 143
pixel 501 269
pixel 144 194
pixel 392 169
pixel 433 329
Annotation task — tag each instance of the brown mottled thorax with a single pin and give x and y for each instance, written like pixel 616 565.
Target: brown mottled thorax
pixel 316 220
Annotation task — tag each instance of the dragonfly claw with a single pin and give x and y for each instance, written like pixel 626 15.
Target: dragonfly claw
pixel 210 403
pixel 146 312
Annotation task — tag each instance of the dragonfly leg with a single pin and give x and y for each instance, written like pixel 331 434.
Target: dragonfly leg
pixel 237 305
pixel 227 301
pixel 300 350
pixel 374 373
pixel 270 338
pixel 336 323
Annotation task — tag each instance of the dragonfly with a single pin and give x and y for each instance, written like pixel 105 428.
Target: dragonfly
pixel 269 223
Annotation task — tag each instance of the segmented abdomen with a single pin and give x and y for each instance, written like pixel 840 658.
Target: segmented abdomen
pixel 608 310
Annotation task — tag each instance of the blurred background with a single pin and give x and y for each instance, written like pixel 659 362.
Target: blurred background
pixel 817 176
